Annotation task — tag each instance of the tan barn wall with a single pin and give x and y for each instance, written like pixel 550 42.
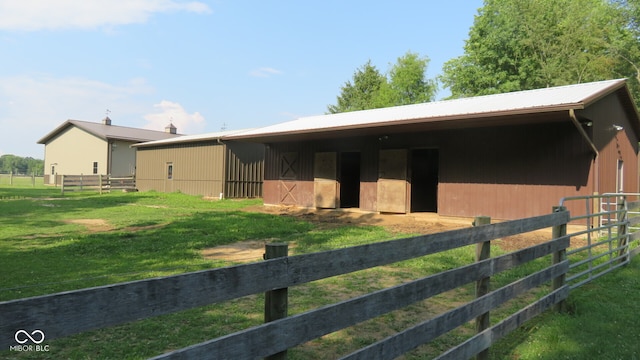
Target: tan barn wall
pixel 198 169
pixel 208 168
pixel 123 158
pixel 74 151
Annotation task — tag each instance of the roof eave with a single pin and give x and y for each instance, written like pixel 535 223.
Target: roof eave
pixel 383 124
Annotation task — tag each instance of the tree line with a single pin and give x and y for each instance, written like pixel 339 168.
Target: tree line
pixel 515 45
pixel 21 165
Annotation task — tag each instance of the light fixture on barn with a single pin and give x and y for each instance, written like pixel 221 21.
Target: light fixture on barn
pixel 618 127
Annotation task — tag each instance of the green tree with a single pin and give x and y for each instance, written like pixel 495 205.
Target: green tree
pixel 518 45
pixel 362 93
pixel 19 165
pixel 406 83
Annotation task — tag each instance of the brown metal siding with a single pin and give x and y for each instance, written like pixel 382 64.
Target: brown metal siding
pixel 613 145
pixel 512 172
pixel 503 172
pixel 289 170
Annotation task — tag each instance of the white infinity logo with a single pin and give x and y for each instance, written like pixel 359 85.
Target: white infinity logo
pixel 29 336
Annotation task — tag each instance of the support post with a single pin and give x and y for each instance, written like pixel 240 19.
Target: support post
pixel 483 252
pixel 559 256
pixel 623 237
pixel 276 302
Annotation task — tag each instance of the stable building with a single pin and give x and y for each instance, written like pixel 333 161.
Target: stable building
pixel 86 148
pixel 201 165
pixel 507 156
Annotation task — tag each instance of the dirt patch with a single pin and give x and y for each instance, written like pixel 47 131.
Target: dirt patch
pixel 417 223
pixel 92 225
pixel 242 251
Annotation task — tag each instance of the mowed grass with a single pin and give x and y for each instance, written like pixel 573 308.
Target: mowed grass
pixel 47 246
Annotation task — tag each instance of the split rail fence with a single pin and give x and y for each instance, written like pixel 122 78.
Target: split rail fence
pixel 96 182
pixel 73 312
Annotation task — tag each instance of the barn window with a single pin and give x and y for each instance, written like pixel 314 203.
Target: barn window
pixel 95 167
pixel 169 171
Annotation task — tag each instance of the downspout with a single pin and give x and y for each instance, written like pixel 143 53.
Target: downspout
pixel 584 134
pixel 225 171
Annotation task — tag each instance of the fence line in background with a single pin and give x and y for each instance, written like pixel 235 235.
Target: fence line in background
pixel 20 179
pixel 96 182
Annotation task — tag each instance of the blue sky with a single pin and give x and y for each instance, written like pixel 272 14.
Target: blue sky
pixel 204 64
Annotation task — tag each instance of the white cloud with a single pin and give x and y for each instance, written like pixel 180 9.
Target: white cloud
pixel 265 72
pixel 32 106
pixel 32 15
pixel 171 112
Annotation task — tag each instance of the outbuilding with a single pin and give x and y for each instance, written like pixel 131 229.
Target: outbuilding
pixel 507 156
pixel 81 147
pixel 201 165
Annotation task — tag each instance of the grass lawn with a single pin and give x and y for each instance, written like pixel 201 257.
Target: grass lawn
pixel 50 243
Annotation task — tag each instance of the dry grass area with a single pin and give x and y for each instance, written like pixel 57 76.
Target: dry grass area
pixel 416 223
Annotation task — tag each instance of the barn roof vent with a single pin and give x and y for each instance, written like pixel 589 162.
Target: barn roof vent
pixel 170 129
pixel 106 121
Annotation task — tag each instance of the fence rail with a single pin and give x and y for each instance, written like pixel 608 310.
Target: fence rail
pixel 96 182
pixel 73 312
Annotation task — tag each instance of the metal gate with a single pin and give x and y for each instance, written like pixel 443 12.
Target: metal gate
pixel 608 239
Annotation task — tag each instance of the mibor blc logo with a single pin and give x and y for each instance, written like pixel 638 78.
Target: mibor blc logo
pixel 29 341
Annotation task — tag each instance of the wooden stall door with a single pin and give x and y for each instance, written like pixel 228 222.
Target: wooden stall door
pixel 325 183
pixel 392 181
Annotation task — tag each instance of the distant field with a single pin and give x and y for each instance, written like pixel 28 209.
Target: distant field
pixel 7 180
pixel 50 243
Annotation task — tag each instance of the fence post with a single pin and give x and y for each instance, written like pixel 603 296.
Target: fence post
pixel 483 252
pixel 559 256
pixel 623 236
pixel 33 179
pixel 11 177
pixel 61 184
pixel 80 181
pixel 100 183
pixel 276 302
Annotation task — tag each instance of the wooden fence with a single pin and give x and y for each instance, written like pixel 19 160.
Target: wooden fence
pixel 73 312
pixel 96 182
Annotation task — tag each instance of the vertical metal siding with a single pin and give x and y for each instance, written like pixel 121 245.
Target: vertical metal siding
pixel 244 170
pixel 614 145
pixel 197 168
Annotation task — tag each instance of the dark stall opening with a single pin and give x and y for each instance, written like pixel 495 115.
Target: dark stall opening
pixel 424 180
pixel 350 180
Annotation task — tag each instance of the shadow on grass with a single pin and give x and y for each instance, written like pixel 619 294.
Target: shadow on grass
pixel 103 258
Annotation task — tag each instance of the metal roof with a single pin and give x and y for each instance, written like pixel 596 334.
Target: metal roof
pixel 559 98
pixel 110 132
pixel 190 138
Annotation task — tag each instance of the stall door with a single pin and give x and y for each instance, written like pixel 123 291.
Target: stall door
pixel 325 184
pixel 392 181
